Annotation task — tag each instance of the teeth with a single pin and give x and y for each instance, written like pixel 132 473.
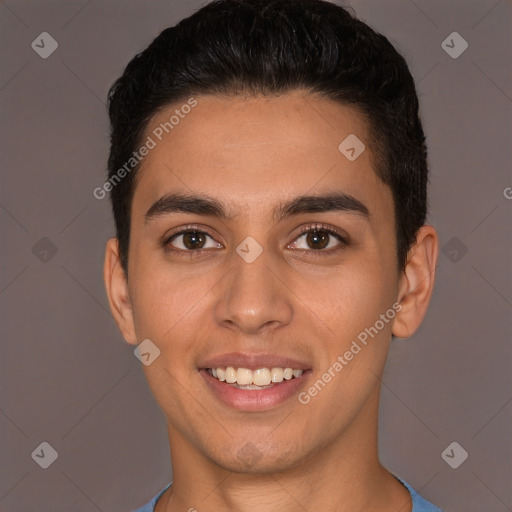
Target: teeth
pixel 254 379
pixel 277 374
pixel 261 377
pixel 230 375
pixel 243 376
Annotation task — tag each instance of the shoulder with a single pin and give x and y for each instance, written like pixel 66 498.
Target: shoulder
pixel 150 505
pixel 419 504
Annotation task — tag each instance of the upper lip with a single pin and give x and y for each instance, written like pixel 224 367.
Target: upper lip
pixel 253 361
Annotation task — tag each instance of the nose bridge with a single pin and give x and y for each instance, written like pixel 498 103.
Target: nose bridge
pixel 253 297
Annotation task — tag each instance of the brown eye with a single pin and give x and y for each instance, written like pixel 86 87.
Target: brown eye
pixel 318 239
pixel 191 240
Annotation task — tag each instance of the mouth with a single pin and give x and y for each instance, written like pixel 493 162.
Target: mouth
pixel 254 390
pixel 262 378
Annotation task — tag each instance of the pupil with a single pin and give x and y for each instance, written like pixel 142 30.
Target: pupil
pixel 196 238
pixel 314 237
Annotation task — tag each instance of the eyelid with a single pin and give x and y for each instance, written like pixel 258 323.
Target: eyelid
pixel 184 229
pixel 318 226
pixel 331 230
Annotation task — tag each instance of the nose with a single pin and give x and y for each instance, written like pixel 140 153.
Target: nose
pixel 253 297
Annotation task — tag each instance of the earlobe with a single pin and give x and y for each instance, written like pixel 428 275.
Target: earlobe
pixel 417 282
pixel 117 291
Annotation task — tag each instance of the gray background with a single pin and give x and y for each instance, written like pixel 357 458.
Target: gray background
pixel 68 377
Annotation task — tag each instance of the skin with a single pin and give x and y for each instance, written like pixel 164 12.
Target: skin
pixel 252 153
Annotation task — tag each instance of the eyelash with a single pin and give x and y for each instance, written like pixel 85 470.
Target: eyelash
pixel 306 229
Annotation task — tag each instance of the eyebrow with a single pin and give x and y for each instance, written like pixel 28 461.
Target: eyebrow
pixel 208 206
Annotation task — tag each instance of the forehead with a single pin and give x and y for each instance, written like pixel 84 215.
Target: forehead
pixel 258 150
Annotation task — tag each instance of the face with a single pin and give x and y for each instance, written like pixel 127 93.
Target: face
pixel 274 282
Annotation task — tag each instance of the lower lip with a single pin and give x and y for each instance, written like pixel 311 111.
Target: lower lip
pixel 254 400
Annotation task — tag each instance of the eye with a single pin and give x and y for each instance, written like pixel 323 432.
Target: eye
pixel 319 238
pixel 190 239
pixel 193 240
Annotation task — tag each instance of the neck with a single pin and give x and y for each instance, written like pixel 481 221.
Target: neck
pixel 343 475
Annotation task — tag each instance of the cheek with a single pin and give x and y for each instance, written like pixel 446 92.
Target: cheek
pixel 355 350
pixel 167 299
pixel 354 298
pixel 352 309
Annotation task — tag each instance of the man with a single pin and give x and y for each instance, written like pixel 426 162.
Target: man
pixel 268 178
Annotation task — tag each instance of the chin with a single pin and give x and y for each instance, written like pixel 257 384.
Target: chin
pixel 247 457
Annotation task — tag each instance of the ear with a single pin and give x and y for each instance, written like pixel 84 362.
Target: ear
pixel 116 284
pixel 417 282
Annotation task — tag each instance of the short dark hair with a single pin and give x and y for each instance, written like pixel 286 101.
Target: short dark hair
pixel 271 47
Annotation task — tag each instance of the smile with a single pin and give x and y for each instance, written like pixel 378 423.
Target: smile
pixel 256 390
pixel 262 378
